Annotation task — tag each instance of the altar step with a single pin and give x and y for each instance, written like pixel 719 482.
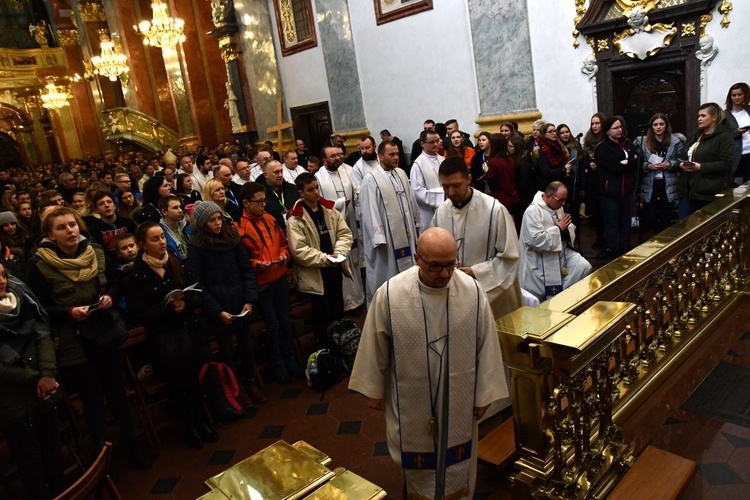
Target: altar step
pixel 655 474
pixel 498 448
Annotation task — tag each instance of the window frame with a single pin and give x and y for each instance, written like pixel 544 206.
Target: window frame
pixel 286 49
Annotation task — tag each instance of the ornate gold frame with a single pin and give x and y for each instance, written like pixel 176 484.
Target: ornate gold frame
pixel 288 48
pixel 384 13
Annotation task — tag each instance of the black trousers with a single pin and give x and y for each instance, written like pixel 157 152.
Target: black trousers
pixel 329 306
pixel 35 445
pixel 241 329
pixel 102 375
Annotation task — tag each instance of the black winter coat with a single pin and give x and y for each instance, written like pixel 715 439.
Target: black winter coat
pixel 615 179
pixel 225 275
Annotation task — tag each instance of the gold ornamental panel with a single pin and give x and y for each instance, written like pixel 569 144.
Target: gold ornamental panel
pixel 129 124
pixel 68 37
pixel 92 11
pixel 688 29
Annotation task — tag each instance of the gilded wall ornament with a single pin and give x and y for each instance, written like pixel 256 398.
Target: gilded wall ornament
pixel 92 11
pixel 628 5
pixel 642 39
pixel 580 11
pixel 724 9
pixel 688 29
pixel 705 19
pixel 228 49
pixel 602 45
pixel 68 37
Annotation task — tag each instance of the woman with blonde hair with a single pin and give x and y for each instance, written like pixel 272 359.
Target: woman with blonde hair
pixel 214 190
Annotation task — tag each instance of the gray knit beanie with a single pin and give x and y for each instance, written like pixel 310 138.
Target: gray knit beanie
pixel 7 216
pixel 202 211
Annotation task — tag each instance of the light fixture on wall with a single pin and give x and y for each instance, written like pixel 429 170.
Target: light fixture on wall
pixel 111 63
pixel 55 96
pixel 162 31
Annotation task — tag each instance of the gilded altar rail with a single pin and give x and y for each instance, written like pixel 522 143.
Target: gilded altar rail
pixel 584 361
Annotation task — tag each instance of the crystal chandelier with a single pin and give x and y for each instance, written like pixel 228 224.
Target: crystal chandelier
pixel 162 31
pixel 111 63
pixel 55 96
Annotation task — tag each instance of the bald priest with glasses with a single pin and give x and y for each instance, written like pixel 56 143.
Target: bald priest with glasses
pixel 430 359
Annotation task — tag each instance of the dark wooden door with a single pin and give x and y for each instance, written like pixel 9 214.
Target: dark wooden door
pixel 640 93
pixel 312 124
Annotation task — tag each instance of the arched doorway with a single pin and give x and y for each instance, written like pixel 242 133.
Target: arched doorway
pixel 10 151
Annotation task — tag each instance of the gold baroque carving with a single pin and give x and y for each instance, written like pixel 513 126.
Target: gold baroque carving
pixel 688 29
pixel 580 11
pixel 668 29
pixel 602 45
pixel 68 37
pixel 628 5
pixel 705 19
pixel 92 12
pixel 228 49
pixel 724 9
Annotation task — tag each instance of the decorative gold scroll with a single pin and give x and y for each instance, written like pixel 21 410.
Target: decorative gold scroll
pixel 68 37
pixel 92 11
pixel 724 9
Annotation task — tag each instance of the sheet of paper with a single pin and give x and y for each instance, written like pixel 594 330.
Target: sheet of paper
pixel 240 315
pixel 339 258
pixel 655 159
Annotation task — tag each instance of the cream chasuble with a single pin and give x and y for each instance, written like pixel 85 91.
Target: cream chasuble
pixel 390 219
pixel 487 242
pixel 433 355
pixel 291 174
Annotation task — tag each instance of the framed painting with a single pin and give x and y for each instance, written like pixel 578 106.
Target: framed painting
pixel 295 25
pixel 391 10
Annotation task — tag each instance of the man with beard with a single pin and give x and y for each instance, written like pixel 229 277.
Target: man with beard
pixel 201 174
pixel 424 177
pixel 367 162
pixel 336 183
pixel 390 218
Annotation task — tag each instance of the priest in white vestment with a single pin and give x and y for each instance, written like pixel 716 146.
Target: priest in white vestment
pixel 260 160
pixel 390 219
pixel 291 166
pixel 424 177
pixel 336 183
pixel 549 264
pixel 430 358
pixel 367 162
pixel 488 248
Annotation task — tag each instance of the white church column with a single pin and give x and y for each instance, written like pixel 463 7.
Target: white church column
pixel 505 73
pixel 347 109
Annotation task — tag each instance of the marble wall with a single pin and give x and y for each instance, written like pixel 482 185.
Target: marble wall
pixel 502 54
pixel 339 54
pixel 256 23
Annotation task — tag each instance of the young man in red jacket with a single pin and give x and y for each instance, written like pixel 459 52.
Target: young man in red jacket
pixel 268 249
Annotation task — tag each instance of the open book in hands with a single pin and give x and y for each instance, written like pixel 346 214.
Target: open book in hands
pixel 177 293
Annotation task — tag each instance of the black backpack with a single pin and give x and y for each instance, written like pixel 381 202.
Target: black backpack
pixel 323 370
pixel 343 338
pixel 220 389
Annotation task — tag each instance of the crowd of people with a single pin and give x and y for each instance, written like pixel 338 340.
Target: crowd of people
pixel 89 244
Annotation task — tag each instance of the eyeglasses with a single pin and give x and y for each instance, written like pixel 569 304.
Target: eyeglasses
pixel 438 268
pixel 259 202
pixel 436 141
pixel 562 202
pixel 553 131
